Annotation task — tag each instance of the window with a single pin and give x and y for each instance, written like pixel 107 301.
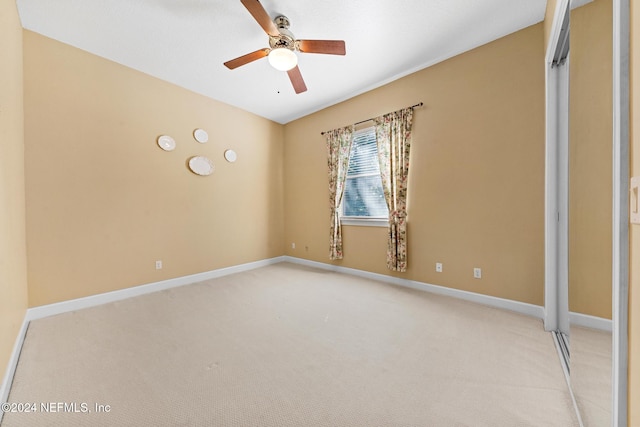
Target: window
pixel 363 201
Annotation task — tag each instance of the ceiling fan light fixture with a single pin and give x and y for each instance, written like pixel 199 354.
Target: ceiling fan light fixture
pixel 283 59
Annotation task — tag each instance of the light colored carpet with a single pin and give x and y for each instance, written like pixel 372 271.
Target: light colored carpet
pixel 287 345
pixel 591 374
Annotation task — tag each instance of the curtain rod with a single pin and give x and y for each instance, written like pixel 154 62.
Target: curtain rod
pixel 364 121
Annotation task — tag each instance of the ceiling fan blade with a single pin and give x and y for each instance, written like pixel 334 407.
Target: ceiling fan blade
pixel 245 59
pixel 259 14
pixel 296 80
pixel 331 47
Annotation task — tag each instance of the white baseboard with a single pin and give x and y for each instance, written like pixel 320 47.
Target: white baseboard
pixel 5 387
pixel 519 307
pixel 592 322
pixel 94 300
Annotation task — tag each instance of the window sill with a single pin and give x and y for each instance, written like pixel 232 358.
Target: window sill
pixel 365 222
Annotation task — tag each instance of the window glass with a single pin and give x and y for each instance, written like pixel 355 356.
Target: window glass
pixel 363 195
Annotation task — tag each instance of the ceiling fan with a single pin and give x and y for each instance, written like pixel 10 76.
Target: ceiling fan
pixel 282 46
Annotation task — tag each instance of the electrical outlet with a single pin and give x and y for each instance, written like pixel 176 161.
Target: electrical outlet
pixel 159 265
pixel 439 267
pixel 477 273
pixel 293 246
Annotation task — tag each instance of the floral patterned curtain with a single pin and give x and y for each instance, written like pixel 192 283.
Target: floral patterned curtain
pixel 338 150
pixel 393 136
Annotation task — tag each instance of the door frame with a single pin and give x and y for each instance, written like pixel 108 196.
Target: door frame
pixel 620 247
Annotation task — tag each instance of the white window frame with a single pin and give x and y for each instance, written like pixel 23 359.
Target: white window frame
pixel 368 221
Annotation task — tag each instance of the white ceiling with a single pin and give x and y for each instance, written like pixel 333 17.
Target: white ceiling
pixel 185 42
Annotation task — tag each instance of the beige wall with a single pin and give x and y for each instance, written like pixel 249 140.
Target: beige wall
pixel 13 269
pixel 548 20
pixel 590 168
pixel 104 202
pixel 634 263
pixel 476 189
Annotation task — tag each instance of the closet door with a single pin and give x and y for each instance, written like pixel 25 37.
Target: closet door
pixel 590 197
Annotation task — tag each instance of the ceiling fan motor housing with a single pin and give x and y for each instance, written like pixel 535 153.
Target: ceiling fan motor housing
pixel 286 38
